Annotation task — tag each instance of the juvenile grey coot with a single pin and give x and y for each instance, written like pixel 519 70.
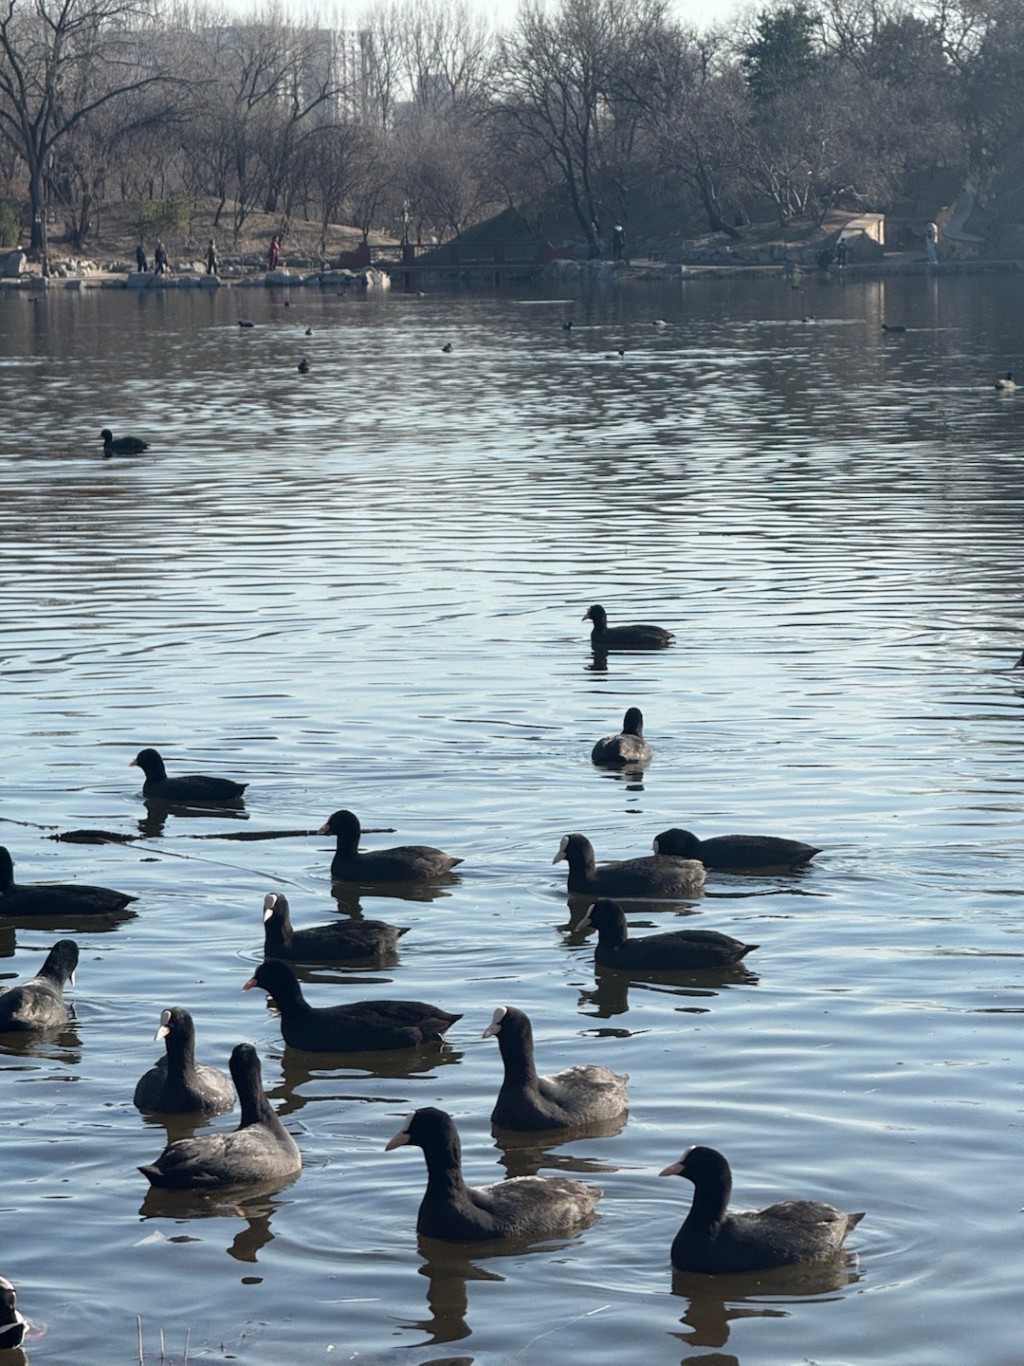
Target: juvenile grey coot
pixel 260 1150
pixel 677 950
pixel 362 1026
pixel 404 863
pixel 736 853
pixel 628 747
pixel 635 637
pixel 523 1207
pixel 714 1242
pixel 579 1095
pixel 54 898
pixel 344 939
pixel 194 788
pixel 177 1085
pixel 12 1323
pixel 122 445
pixel 39 1003
pixel 653 876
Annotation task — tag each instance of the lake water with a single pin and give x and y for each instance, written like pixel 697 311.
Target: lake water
pixel 363 588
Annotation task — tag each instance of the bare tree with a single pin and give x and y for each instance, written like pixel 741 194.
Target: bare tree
pixel 563 79
pixel 60 61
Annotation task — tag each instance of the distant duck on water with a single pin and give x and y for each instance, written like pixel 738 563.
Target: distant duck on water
pixel 122 445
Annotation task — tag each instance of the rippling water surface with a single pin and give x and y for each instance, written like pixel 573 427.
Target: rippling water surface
pixel 363 587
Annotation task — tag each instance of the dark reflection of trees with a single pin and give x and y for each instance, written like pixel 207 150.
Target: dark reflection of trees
pixel 308 1076
pixel 611 988
pixel 526 1154
pixel 69 923
pixel 252 1204
pixel 59 1045
pixel 580 902
pixel 152 823
pixel 449 1267
pixel 716 1301
pixel 346 893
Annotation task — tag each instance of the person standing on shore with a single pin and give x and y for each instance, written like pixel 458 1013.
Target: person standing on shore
pixel 931 243
pixel 273 253
pixel 212 264
pixel 140 259
pixel 159 258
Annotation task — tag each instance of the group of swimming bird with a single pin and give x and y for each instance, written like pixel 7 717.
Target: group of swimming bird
pixel 261 1151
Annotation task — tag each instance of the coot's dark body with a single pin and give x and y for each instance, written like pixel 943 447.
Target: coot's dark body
pixel 714 1242
pixel 523 1207
pixel 122 445
pixel 190 789
pixel 627 749
pixel 12 1322
pixel 404 863
pixel 578 1096
pixel 638 878
pixel 39 1003
pixel 674 951
pixel 637 636
pixel 362 1026
pixel 54 899
pixel 259 1151
pixel 177 1084
pixel 737 853
pixel 340 941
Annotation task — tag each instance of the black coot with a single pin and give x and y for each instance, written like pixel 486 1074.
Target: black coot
pixel 39 1003
pixel 259 1151
pixel 638 636
pixel 342 940
pixel 737 853
pixel 405 863
pixel 190 788
pixel 54 898
pixel 361 1026
pixel 628 748
pixel 523 1207
pixel 579 1095
pixel 122 445
pixel 715 1242
pixel 12 1323
pixel 638 878
pixel 177 1084
pixel 674 951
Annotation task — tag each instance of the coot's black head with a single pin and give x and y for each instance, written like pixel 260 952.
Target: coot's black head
pixel 699 1164
pixel 244 1067
pixel 277 979
pixel 633 722
pixel 428 1128
pixel 677 843
pixel 275 907
pixel 597 615
pixel 508 1020
pixel 7 866
pixel 605 914
pixel 343 823
pixel 12 1324
pixel 175 1023
pixel 575 848
pixel 61 962
pixel 150 762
